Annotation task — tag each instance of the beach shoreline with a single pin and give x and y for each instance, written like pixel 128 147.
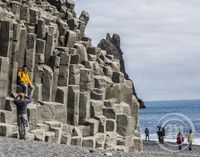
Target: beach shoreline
pixel 196 141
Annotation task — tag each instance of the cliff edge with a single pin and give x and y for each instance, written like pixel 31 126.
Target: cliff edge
pixel 112 45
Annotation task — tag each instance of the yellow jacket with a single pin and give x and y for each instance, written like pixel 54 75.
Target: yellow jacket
pixel 23 77
pixel 190 136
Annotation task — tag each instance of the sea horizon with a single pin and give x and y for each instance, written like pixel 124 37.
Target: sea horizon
pixel 147 101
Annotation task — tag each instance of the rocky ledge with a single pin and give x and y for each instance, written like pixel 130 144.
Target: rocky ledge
pixel 81 96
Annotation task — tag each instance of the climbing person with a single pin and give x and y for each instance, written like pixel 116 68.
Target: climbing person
pixel 179 140
pixel 146 131
pixel 21 102
pixel 24 80
pixel 190 137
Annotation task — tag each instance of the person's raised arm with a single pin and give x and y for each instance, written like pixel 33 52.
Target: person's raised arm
pixel 28 99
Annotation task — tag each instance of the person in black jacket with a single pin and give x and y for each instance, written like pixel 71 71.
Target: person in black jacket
pixel 21 102
pixel 161 134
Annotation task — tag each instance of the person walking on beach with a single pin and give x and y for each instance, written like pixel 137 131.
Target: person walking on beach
pixel 21 102
pixel 179 140
pixel 146 131
pixel 24 80
pixel 190 137
pixel 161 134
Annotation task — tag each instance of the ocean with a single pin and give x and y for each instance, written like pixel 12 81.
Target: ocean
pixel 181 115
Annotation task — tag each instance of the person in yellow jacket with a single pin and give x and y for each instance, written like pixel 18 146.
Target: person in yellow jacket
pixel 190 137
pixel 24 80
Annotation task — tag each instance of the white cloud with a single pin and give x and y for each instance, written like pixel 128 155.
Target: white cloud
pixel 160 41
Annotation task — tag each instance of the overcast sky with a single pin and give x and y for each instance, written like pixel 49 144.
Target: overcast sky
pixel 160 40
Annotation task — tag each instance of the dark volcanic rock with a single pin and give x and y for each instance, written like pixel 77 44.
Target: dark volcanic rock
pixel 113 47
pixel 141 103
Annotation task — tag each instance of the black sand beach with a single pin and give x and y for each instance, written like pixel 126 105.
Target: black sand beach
pixel 152 149
pixel 18 148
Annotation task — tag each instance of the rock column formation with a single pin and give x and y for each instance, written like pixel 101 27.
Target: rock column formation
pixel 81 97
pixel 112 45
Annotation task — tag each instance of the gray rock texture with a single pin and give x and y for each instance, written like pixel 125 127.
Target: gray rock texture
pixel 81 96
pixel 112 45
pixel 18 148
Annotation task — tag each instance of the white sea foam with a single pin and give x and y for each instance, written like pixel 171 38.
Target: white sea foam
pixel 154 137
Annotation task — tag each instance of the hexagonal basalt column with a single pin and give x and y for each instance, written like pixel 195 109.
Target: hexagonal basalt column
pixel 73 105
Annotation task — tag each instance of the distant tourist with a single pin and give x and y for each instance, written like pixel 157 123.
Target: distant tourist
pixel 146 131
pixel 24 80
pixel 161 134
pixel 190 137
pixel 179 140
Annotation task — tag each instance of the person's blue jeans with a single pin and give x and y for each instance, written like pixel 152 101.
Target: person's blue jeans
pixel 28 89
pixel 190 145
pixel 22 120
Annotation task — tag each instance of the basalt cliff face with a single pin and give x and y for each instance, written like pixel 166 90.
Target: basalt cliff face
pixel 81 96
pixel 113 47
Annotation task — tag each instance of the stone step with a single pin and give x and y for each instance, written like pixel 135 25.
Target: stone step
pixel 39 135
pixel 58 134
pixel 51 111
pixel 89 142
pixel 53 124
pixel 43 127
pixel 9 105
pixel 7 130
pixel 8 117
pixel 50 137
